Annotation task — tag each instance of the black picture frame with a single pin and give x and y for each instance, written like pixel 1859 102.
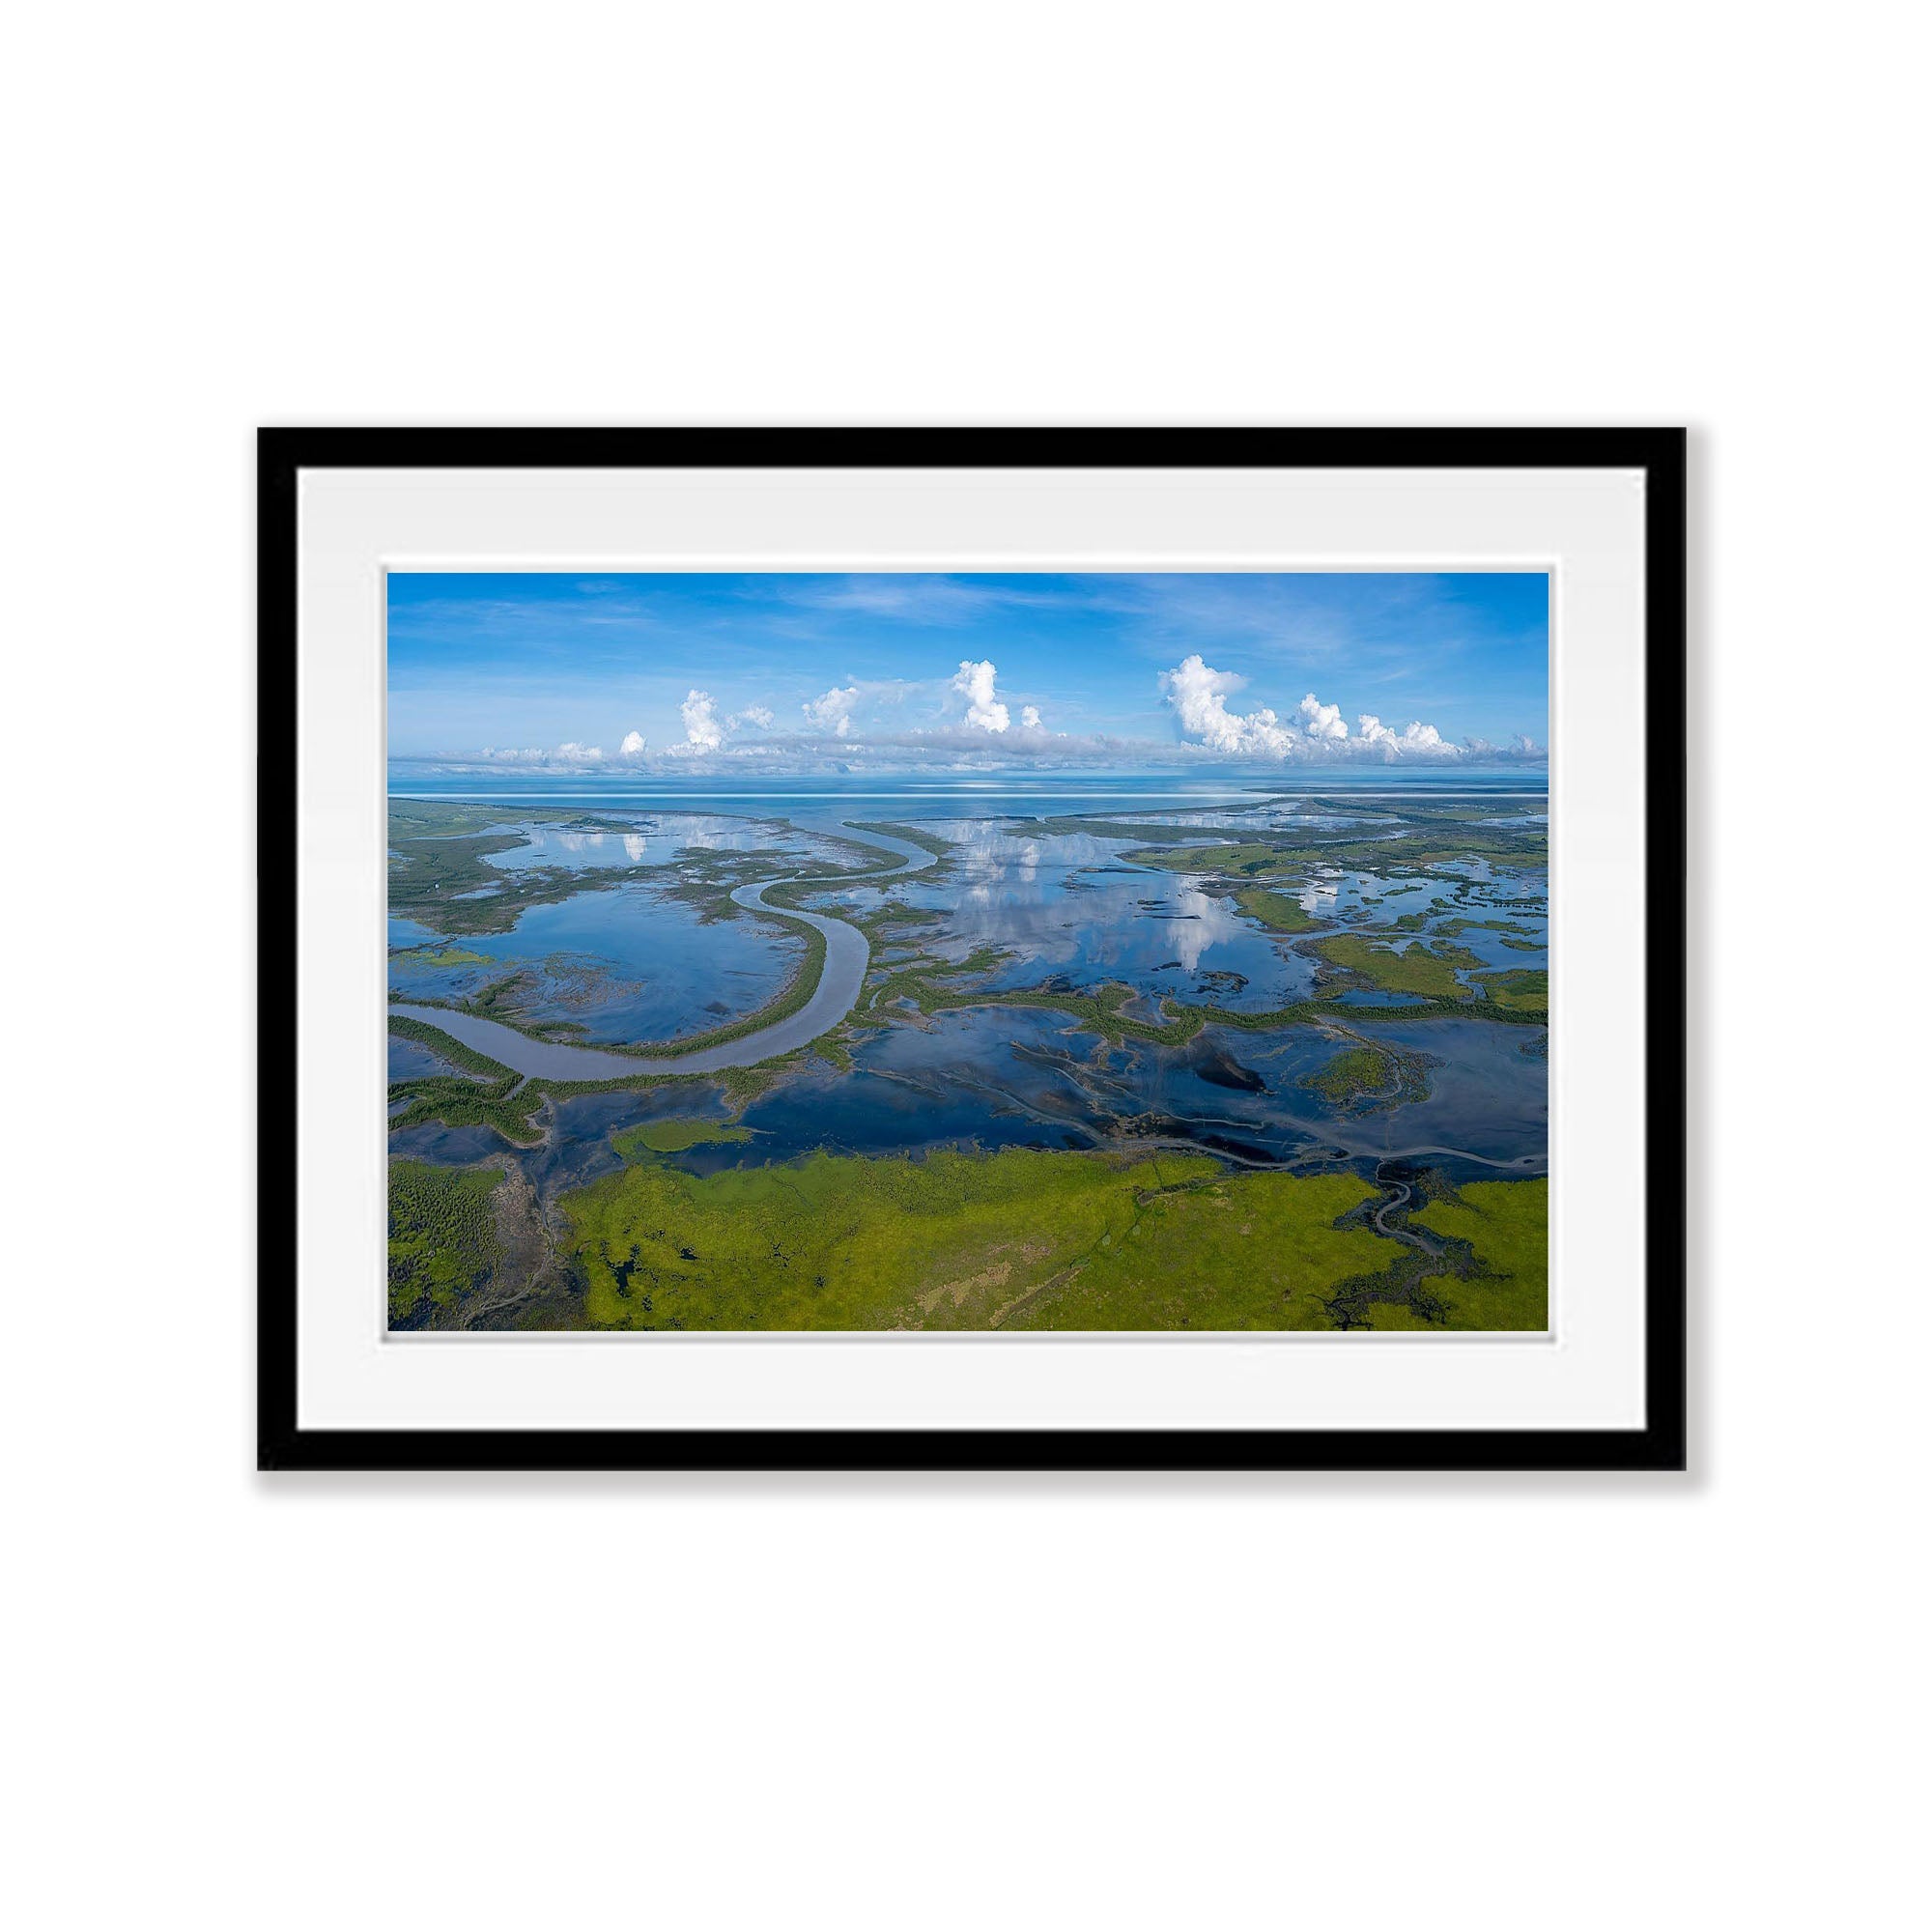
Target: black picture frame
pixel 282 1444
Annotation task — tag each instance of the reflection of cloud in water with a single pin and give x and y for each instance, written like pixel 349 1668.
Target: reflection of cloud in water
pixel 985 844
pixel 658 840
pixel 1211 920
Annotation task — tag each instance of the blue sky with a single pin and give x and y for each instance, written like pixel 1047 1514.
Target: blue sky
pixel 801 672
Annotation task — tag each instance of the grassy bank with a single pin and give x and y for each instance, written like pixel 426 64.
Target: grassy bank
pixel 449 1047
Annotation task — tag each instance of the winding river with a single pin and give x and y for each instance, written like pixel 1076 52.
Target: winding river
pixel 847 955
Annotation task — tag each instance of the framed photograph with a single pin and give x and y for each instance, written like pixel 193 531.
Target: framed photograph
pixel 1129 948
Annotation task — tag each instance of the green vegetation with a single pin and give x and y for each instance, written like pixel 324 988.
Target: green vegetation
pixel 457 1102
pixel 882 925
pixel 439 819
pixel 1522 990
pixel 1411 846
pixel 439 853
pixel 1064 826
pixel 432 819
pixel 1455 929
pixel 430 955
pixel 452 1049
pixel 442 1238
pixel 511 1106
pixel 1369 1075
pixel 834 1049
pixel 926 986
pixel 788 1000
pixel 1031 1239
pixel 923 982
pixel 1275 911
pixel 1358 1073
pixel 1430 972
pixel 1242 859
pixel 1248 1251
pixel 911 835
pixel 1019 1238
pixel 673 1137
pixel 1506 1225
pixel 429 878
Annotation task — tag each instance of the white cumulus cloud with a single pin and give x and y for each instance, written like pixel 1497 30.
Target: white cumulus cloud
pixel 834 711
pixel 1417 741
pixel 1321 721
pixel 973 682
pixel 701 730
pixel 633 746
pixel 579 755
pixel 752 714
pixel 1030 718
pixel 1199 695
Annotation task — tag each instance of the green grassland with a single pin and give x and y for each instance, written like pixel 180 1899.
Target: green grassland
pixel 443 1237
pixel 1506 1223
pixel 1237 861
pixel 1019 1239
pixel 1357 1074
pixel 1028 1239
pixel 1274 910
pixel 1430 972
pixel 1520 989
pixel 436 955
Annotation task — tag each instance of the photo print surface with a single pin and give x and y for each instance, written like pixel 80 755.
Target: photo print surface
pixel 1019 955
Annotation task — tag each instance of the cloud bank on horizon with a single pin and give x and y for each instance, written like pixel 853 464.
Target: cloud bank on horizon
pixel 699 673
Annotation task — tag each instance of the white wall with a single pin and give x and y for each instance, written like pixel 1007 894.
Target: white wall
pixel 1363 1703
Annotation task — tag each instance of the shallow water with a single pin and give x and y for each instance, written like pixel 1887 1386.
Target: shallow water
pixel 659 840
pixel 628 964
pixel 1068 911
